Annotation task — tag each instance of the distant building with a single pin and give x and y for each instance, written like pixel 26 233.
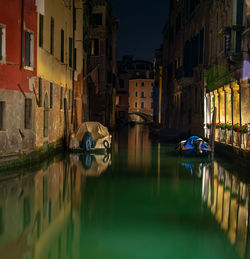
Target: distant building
pixel 141 95
pixel 129 69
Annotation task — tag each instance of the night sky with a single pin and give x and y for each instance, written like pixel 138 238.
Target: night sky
pixel 141 25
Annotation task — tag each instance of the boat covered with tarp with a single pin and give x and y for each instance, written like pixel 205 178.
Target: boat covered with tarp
pixel 90 136
pixel 194 146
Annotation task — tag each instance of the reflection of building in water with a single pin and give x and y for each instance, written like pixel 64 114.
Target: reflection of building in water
pixel 228 198
pixel 39 214
pixel 139 147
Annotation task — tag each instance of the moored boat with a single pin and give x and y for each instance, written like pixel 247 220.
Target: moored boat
pixel 194 146
pixel 90 136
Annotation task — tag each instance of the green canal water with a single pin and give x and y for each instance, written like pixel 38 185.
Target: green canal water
pixel 140 201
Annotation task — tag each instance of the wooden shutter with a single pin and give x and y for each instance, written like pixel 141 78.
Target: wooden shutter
pixel 27 49
pixel 27 115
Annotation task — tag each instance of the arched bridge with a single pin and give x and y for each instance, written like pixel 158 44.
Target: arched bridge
pixel 146 117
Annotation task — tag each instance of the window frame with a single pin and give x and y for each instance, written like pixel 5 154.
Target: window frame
pixel 3 43
pixel 29 50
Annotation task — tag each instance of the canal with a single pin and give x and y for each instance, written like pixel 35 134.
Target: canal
pixel 140 201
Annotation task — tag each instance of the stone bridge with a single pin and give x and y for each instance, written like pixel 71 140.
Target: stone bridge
pixel 146 117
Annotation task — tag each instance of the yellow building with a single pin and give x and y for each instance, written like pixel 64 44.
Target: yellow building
pixel 54 70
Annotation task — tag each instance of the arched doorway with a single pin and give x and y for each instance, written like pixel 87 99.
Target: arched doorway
pixel 46 116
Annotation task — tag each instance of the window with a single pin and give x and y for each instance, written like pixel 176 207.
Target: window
pixel 2 107
pixel 136 94
pixel 95 47
pixel 75 55
pixel 40 92
pixel 27 113
pixel 40 30
pixel 61 97
pixel 97 19
pixel 52 35
pixel 29 58
pixel 136 84
pixel 70 52
pixel 51 92
pixel 142 95
pixel 142 83
pixel 152 84
pixel 135 104
pixel 142 105
pixel 62 46
pixel 2 44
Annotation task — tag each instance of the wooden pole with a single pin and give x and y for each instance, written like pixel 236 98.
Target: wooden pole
pixel 212 138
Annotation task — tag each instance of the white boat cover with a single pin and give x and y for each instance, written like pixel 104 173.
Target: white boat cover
pixel 97 130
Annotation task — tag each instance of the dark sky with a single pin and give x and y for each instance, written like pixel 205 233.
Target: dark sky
pixel 141 24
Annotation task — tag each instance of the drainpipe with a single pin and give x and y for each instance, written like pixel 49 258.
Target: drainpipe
pixel 22 25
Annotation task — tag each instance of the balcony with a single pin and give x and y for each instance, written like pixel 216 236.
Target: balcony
pixel 184 78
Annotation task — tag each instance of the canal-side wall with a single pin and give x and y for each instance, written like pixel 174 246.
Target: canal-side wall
pixel 29 157
pixel 232 153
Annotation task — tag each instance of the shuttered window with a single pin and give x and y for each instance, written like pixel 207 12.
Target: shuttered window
pixel 70 52
pixel 61 97
pixel 75 55
pixel 27 113
pixel 2 106
pixel 40 30
pixel 62 46
pixel 27 49
pixel 52 35
pixel 51 92
pixel 40 91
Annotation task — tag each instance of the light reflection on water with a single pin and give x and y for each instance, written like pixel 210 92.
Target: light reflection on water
pixel 141 201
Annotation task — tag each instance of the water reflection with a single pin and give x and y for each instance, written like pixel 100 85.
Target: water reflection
pixel 82 206
pixel 227 197
pixel 40 212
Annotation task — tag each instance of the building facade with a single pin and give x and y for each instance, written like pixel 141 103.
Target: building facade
pixel 227 79
pixel 18 69
pixel 141 96
pixel 102 32
pixel 184 45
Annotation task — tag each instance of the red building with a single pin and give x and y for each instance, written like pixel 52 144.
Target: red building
pixel 18 48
